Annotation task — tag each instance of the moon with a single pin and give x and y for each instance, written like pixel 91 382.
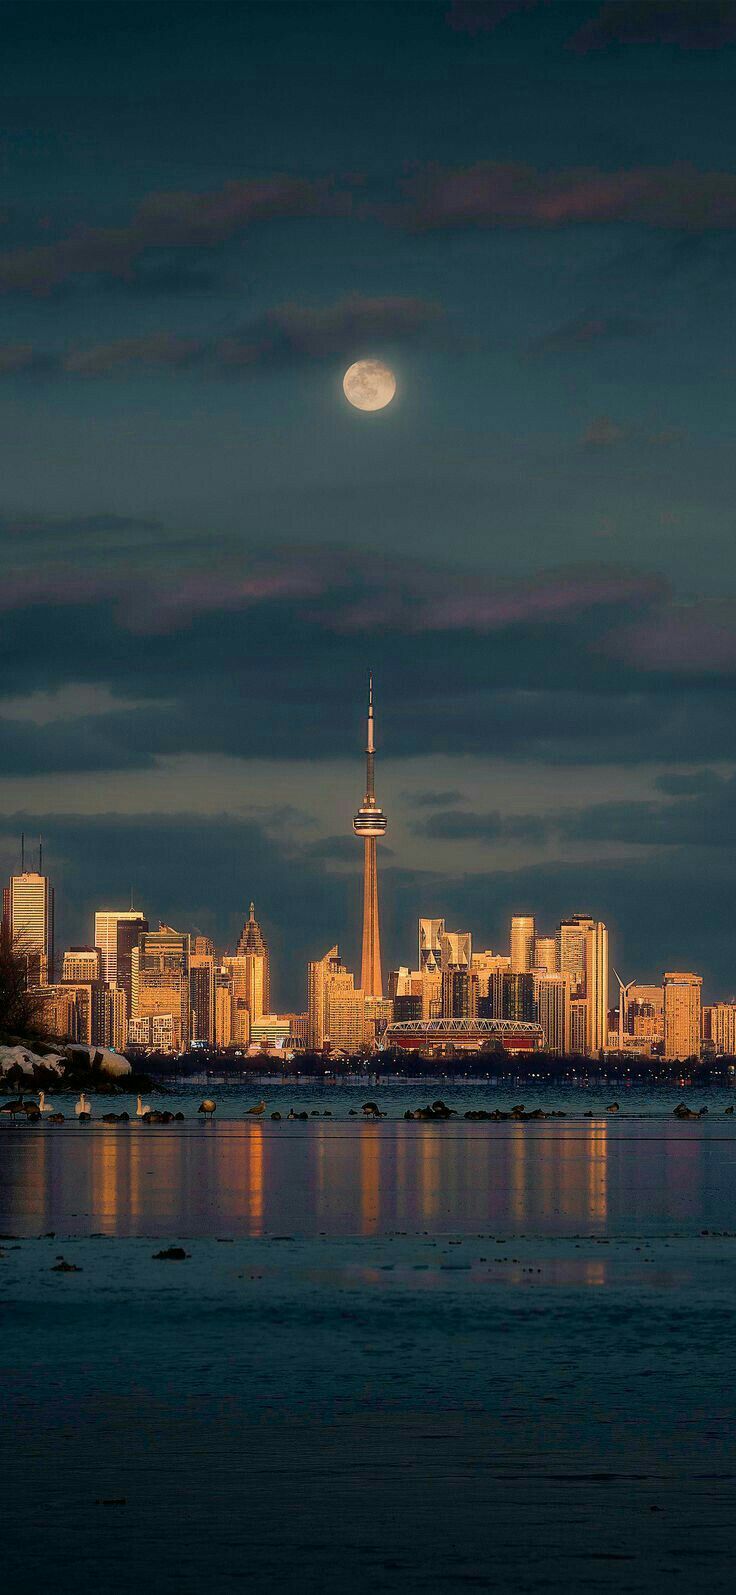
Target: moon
pixel 369 385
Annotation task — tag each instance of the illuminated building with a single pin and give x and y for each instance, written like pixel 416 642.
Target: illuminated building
pixel 552 992
pixel 370 823
pixel 81 963
pixel 223 1009
pixel 719 1027
pixel 545 954
pixel 202 995
pixel 252 947
pixel 644 1014
pixel 246 985
pixel 522 943
pixel 682 1014
pixel 88 1011
pixel 116 934
pixel 583 956
pixel 28 913
pixel 431 932
pixel 160 981
pixel 430 1036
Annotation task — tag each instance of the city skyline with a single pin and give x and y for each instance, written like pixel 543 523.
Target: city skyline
pixel 203 546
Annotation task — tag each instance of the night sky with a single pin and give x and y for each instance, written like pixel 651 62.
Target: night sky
pixel 208 211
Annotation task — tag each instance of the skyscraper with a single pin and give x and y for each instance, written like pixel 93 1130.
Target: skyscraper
pixel 116 934
pixel 430 943
pixel 253 947
pixel 682 1014
pixel 522 943
pixel 28 912
pixel 370 823
pixel 583 956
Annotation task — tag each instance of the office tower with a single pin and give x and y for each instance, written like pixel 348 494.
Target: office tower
pixel 318 974
pixel 596 986
pixel 553 1011
pixel 339 1014
pixel 116 934
pixel 682 1014
pixel 81 964
pixel 583 956
pixel 430 943
pixel 160 981
pixel 87 1011
pixel 578 1025
pixel 719 1027
pixel 28 913
pixel 202 995
pixel 644 1014
pixel 522 943
pixel 223 1009
pixel 456 949
pixel 252 946
pixel 545 954
pixel 459 993
pixel 202 946
pixel 570 951
pixel 370 823
pixel 518 996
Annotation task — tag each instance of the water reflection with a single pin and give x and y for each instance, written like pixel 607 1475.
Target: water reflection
pixel 367 1179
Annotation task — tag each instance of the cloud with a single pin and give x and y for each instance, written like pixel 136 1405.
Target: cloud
pixel 689 783
pixel 686 24
pixel 485 16
pixel 697 639
pixel 702 820
pixel 603 433
pixel 154 349
pixel 585 332
pixel 510 195
pixel 292 332
pixel 453 826
pixel 176 220
pixel 288 335
pixel 433 800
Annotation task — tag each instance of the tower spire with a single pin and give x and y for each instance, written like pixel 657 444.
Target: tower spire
pixel 370 823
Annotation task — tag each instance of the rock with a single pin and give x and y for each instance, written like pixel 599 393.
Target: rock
pixel 171 1254
pixel 63 1267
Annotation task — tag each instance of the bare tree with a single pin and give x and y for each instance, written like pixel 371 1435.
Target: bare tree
pixel 21 1008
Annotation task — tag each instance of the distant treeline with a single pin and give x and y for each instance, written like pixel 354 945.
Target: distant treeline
pixel 496 1065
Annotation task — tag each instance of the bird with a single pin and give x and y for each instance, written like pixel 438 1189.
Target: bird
pixel 208 1107
pixel 260 1107
pixel 141 1108
pixel 612 1107
pixel 81 1107
pixel 43 1105
pixel 56 1118
pixel 15 1106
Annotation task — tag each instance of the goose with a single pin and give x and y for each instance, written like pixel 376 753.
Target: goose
pixel 43 1105
pixel 260 1107
pixel 81 1107
pixel 56 1118
pixel 208 1107
pixel 141 1108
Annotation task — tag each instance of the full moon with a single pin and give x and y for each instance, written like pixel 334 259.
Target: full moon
pixel 369 385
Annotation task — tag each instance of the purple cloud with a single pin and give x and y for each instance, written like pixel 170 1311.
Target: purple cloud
pixel 686 24
pixel 506 194
pixel 177 220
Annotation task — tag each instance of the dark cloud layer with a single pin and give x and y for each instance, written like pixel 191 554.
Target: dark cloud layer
pixel 686 24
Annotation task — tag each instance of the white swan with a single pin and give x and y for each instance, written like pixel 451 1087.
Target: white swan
pixel 43 1105
pixel 82 1105
pixel 143 1107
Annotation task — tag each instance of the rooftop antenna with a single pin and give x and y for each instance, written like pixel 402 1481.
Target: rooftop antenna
pixel 22 852
pixel 40 856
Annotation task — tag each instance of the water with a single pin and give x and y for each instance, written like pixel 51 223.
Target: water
pixel 407 1355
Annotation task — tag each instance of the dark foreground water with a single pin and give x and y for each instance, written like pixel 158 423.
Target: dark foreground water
pixel 397 1356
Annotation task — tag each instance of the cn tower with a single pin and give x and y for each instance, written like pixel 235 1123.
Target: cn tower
pixel 370 823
